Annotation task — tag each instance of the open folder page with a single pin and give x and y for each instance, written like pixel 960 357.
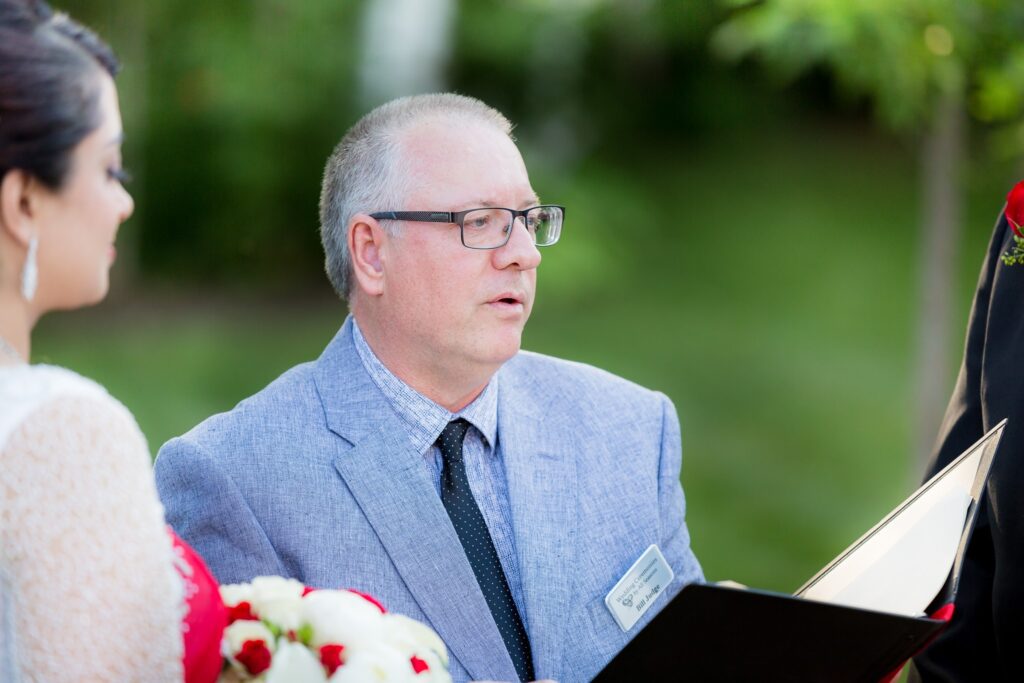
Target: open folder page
pixel 901 564
pixel 858 619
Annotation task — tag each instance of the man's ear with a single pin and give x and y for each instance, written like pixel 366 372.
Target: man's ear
pixel 367 244
pixel 17 216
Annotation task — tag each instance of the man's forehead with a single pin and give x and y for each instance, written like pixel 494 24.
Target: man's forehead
pixel 464 163
pixel 524 200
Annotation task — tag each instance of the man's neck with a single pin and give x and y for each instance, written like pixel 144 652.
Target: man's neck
pixel 450 389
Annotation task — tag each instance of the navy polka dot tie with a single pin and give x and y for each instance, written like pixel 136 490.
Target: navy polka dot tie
pixel 476 541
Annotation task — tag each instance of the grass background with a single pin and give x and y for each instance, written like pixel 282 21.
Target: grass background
pixel 767 285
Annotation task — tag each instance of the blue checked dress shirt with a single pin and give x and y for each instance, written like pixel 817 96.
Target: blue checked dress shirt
pixel 481 452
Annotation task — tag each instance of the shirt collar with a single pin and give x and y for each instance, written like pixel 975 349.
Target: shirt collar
pixel 425 418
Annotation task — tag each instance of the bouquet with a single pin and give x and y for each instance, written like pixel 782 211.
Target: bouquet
pixel 281 631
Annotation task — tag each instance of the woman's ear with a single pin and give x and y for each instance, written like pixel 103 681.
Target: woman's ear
pixel 17 208
pixel 367 244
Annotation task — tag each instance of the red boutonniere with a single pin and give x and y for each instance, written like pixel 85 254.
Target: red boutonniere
pixel 1015 217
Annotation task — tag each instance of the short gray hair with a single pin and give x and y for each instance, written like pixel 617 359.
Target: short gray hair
pixel 365 172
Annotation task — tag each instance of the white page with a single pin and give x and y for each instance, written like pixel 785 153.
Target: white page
pixel 900 566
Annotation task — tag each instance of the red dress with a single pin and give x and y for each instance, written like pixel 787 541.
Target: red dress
pixel 206 618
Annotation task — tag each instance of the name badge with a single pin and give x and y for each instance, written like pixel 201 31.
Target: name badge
pixel 639 587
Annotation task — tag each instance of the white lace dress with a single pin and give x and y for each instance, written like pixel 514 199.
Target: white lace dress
pixel 88 589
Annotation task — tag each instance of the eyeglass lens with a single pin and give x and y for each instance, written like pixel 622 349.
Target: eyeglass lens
pixel 490 228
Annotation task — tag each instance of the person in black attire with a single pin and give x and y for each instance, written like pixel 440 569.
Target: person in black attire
pixel 982 642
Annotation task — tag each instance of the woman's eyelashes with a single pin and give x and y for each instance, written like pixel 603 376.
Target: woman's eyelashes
pixel 119 174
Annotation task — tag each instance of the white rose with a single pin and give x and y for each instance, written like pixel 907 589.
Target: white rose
pixel 342 618
pixel 437 671
pixel 275 588
pixel 237 633
pixel 375 662
pixel 293 663
pixel 286 613
pixel 278 600
pixel 234 593
pixel 415 638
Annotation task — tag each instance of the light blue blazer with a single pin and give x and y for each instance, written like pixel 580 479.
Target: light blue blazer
pixel 314 478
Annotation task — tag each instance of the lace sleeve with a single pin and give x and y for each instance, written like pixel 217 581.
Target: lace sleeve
pixel 87 560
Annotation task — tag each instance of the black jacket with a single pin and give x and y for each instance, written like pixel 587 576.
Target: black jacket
pixel 982 643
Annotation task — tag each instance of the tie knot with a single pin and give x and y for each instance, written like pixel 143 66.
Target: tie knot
pixel 450 441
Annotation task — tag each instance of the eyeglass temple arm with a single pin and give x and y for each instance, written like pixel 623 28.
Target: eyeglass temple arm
pixel 418 216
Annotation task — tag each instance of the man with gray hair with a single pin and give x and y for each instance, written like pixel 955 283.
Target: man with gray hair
pixel 498 495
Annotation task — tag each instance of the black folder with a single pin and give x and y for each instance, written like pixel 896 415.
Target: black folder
pixel 718 633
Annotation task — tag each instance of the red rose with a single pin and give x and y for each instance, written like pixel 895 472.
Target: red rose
pixel 1015 208
pixel 254 656
pixel 330 657
pixel 370 599
pixel 418 665
pixel 241 612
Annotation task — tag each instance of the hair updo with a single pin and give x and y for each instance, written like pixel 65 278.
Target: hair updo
pixel 49 90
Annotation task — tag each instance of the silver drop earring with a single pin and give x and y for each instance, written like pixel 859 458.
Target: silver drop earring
pixel 30 274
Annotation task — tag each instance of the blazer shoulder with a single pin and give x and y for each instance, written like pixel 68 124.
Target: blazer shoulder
pixel 575 381
pixel 290 396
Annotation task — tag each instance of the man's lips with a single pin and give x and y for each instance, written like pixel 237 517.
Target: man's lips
pixel 508 299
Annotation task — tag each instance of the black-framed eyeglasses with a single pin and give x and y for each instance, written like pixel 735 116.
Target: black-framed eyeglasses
pixel 490 227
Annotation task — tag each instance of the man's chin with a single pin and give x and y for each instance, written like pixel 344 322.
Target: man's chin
pixel 505 347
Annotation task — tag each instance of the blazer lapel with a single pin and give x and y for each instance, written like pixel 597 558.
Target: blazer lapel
pixel 541 474
pixel 392 486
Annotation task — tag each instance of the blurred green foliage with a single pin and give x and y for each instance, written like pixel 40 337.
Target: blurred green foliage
pixel 906 54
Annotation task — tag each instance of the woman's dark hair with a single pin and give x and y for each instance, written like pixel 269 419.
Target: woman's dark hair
pixel 49 90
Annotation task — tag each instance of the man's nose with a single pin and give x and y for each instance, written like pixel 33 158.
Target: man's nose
pixel 520 250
